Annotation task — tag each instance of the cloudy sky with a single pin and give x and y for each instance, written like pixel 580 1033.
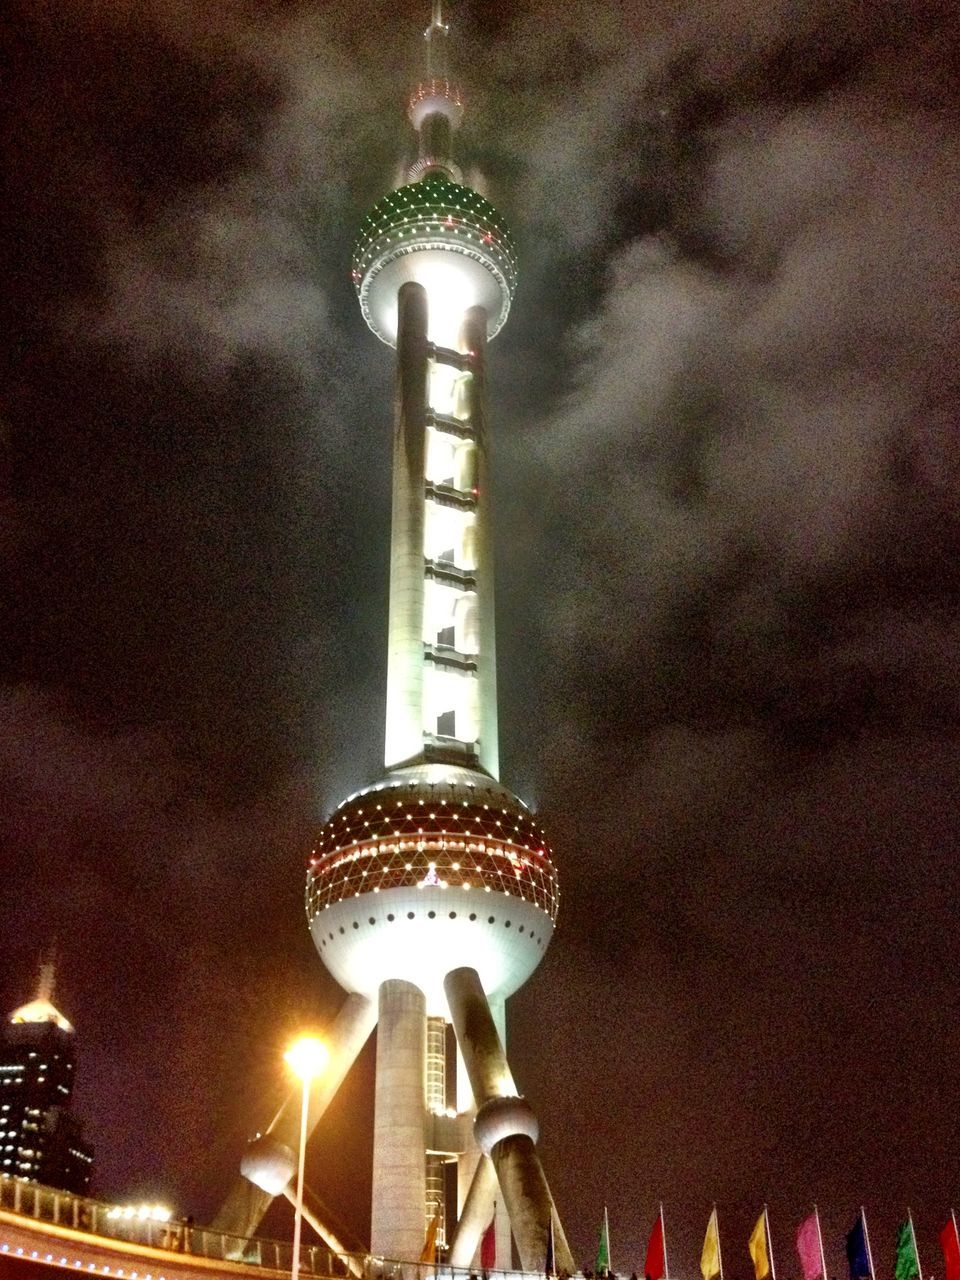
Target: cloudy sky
pixel 727 464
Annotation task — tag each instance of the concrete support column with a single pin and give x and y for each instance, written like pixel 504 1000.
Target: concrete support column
pixel 475 1215
pixel 399 1179
pixel 270 1162
pixel 502 1233
pixel 315 1213
pixel 470 1155
pixel 404 733
pixel 506 1128
pixel 473 339
pixel 348 1035
pixel 242 1211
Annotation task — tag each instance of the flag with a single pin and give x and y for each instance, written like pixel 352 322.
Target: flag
pixel 758 1248
pixel 858 1256
pixel 429 1251
pixel 488 1245
pixel 710 1255
pixel 550 1263
pixel 950 1244
pixel 907 1265
pixel 655 1267
pixel 603 1246
pixel 808 1248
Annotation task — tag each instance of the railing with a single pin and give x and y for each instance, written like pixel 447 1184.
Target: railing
pixel 64 1209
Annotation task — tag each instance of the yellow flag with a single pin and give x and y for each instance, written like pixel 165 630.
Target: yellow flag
pixel 710 1257
pixel 758 1248
pixel 429 1252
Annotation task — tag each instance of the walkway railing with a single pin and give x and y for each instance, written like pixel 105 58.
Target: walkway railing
pixel 62 1208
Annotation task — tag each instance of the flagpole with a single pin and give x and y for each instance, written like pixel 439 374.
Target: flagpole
pixel 766 1220
pixel 663 1233
pixel 953 1215
pixel 716 1217
pixel 913 1235
pixel 823 1261
pixel 606 1228
pixel 866 1240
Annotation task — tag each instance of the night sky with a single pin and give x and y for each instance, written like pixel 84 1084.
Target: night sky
pixel 727 465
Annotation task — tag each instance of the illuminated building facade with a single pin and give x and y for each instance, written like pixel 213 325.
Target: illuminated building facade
pixel 431 894
pixel 41 1139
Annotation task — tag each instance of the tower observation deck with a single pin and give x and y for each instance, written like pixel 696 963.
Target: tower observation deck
pixel 431 893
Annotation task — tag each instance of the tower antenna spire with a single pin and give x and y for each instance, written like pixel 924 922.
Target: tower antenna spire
pixel 436 106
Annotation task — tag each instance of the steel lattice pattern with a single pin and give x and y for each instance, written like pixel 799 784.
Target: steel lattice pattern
pixel 380 840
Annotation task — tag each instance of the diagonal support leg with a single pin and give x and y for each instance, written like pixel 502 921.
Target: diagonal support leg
pixel 312 1209
pixel 477 1211
pixel 506 1128
pixel 270 1161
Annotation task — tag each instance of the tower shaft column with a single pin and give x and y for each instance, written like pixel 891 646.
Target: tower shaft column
pixel 404 732
pixel 474 340
pixel 399 1177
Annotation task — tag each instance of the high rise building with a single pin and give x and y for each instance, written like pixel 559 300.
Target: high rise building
pixel 431 894
pixel 41 1139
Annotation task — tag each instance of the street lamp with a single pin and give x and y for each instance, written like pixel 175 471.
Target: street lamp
pixel 306 1058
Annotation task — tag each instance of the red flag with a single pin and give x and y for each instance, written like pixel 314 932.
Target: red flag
pixel 950 1244
pixel 488 1246
pixel 654 1268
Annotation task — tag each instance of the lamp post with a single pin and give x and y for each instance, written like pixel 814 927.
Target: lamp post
pixel 306 1058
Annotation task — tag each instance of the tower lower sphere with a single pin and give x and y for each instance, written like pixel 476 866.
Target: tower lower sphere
pixel 432 868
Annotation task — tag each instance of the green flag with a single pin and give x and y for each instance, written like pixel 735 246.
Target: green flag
pixel 603 1246
pixel 908 1264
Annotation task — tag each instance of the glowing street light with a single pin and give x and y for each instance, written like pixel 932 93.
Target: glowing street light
pixel 306 1058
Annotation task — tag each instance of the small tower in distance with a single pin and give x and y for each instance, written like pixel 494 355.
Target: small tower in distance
pixel 41 1138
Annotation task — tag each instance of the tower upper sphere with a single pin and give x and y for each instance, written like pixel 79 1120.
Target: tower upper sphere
pixel 445 237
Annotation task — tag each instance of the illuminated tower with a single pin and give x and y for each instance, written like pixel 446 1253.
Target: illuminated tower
pixel 431 894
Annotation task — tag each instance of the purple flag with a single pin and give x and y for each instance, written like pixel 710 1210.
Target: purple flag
pixel 808 1248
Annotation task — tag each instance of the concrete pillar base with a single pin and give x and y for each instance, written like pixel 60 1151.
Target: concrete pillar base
pixel 397 1224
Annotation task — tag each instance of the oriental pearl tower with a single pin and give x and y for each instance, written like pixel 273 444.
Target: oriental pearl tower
pixel 431 894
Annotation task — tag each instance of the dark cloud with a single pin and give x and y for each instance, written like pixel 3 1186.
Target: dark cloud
pixel 727 462
pixel 751 619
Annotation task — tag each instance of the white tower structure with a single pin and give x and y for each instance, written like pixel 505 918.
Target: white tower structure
pixel 431 895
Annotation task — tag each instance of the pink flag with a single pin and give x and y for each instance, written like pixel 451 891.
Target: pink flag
pixel 808 1248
